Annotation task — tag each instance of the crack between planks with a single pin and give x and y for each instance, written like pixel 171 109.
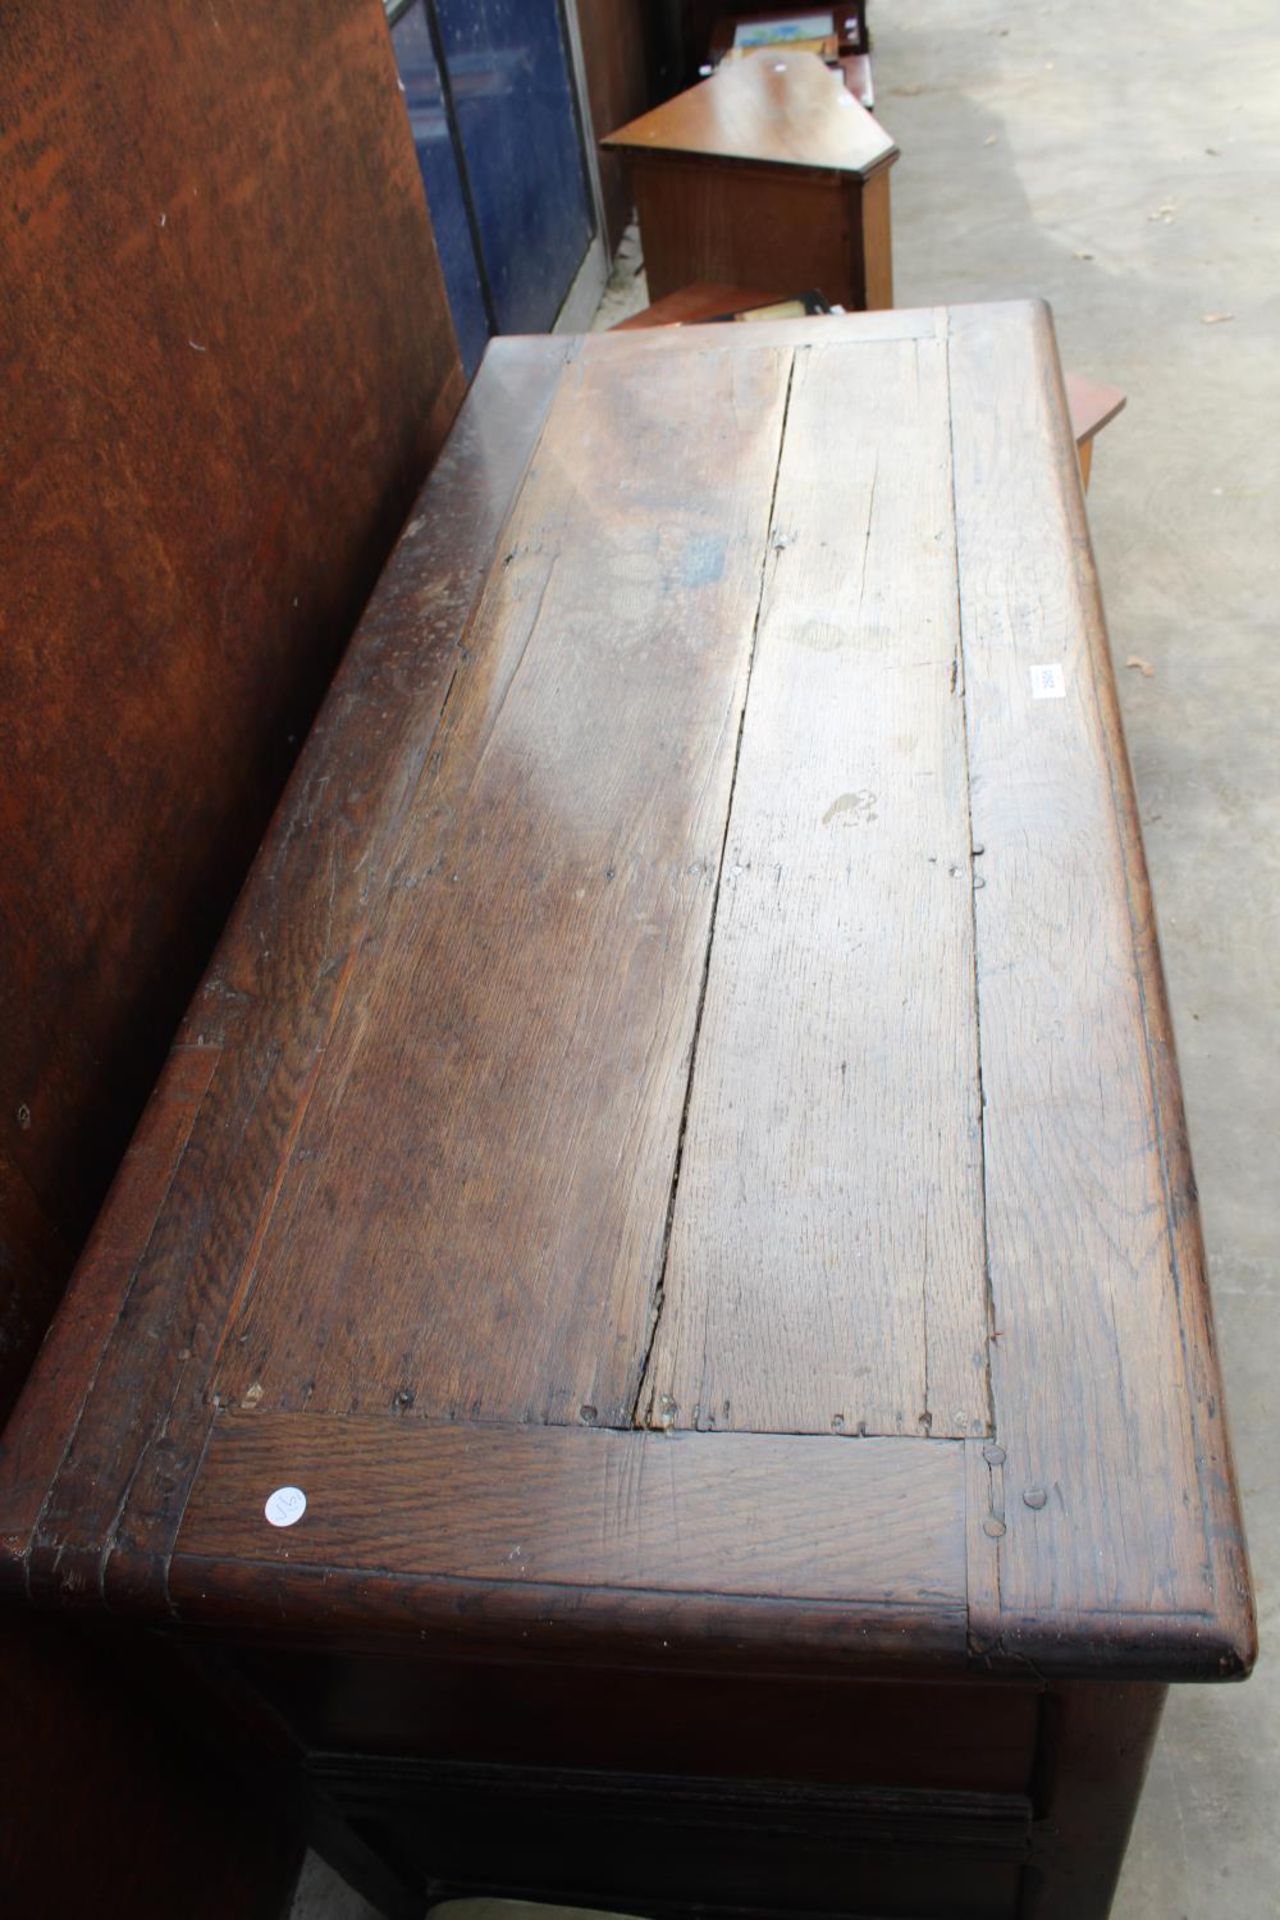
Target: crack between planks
pixel 768 564
pixel 866 544
pixel 960 686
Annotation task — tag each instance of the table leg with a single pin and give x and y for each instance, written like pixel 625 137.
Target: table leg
pixel 1095 1745
pixel 876 241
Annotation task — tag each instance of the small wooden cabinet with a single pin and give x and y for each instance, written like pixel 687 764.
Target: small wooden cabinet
pixel 769 174
pixel 654 1336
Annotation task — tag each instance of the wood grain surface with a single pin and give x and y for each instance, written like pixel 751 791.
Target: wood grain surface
pixel 229 364
pixel 529 995
pixel 875 250
pixel 746 1515
pixel 128 1364
pixel 712 220
pixel 708 655
pixel 826 1263
pixel 900 323
pixel 779 110
pixel 1109 1502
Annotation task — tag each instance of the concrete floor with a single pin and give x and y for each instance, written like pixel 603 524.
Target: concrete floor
pixel 1122 163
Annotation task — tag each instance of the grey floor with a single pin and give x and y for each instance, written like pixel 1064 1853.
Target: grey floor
pixel 1122 162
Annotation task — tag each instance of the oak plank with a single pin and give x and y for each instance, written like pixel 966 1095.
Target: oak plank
pixel 702 219
pixel 1104 1508
pixel 514 1514
pixel 473 1214
pixel 826 1263
pixel 124 1381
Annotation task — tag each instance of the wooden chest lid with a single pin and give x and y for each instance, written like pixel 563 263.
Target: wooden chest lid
pixel 680 1144
pixel 780 109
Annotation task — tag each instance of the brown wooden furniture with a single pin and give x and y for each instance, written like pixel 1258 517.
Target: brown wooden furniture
pixel 678 1158
pixel 767 173
pixel 620 60
pixel 1091 404
pixel 228 363
pixel 701 302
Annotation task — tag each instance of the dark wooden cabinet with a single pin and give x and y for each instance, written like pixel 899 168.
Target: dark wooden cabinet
pixel 655 1325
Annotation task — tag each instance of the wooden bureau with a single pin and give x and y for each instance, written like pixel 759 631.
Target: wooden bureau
pixel 769 174
pixel 678 1159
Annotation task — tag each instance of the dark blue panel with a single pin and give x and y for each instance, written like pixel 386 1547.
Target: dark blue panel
pixel 508 73
pixel 436 157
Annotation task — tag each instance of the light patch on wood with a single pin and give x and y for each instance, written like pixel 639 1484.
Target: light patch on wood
pixel 826 1265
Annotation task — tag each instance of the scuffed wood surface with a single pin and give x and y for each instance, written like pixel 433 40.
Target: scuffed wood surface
pixel 476 1151
pixel 129 1362
pixel 826 1265
pixel 1107 1502
pixel 563 1507
pixel 516 1041
pixel 782 111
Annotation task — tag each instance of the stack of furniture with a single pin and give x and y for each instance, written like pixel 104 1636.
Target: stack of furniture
pixel 761 181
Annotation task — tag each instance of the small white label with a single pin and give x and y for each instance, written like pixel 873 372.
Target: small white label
pixel 286 1506
pixel 1047 683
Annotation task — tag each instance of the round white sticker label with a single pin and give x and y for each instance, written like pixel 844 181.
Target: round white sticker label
pixel 286 1505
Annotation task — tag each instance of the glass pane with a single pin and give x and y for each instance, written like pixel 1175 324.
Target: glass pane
pixel 436 157
pixel 508 70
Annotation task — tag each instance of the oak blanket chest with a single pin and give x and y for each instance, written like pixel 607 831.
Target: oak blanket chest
pixel 653 1339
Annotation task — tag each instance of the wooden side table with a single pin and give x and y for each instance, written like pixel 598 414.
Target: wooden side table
pixel 770 172
pixel 654 1335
